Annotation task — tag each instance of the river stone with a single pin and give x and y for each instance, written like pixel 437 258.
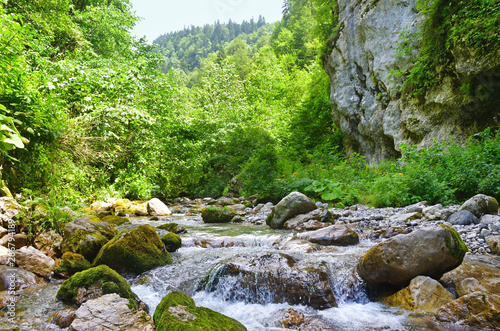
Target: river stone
pixel 429 251
pixel 71 263
pixel 158 208
pixel 63 318
pixel 31 259
pixel 481 204
pixel 217 214
pixel 85 237
pixel 319 215
pixel 433 212
pixel 179 312
pixel 293 204
pixel 494 243
pixel 5 254
pixel 478 309
pixel 271 278
pixel 134 251
pixel 139 208
pixel 20 240
pixel 3 231
pixel 110 312
pixel 468 286
pixel 463 217
pixel 334 235
pixel 405 217
pixel 423 294
pixel 16 278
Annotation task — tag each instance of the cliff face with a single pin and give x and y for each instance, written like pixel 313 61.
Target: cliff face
pixel 366 94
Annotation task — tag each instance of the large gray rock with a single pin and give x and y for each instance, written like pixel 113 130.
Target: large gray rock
pixel 429 252
pixel 31 259
pixel 158 208
pixel 366 97
pixel 110 312
pixel 335 235
pixel 293 204
pixel 463 217
pixel 481 204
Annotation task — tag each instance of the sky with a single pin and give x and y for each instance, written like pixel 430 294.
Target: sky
pixel 162 16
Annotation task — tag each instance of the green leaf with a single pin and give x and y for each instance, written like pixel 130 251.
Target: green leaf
pixel 14 140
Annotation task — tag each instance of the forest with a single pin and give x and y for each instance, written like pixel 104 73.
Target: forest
pixel 89 112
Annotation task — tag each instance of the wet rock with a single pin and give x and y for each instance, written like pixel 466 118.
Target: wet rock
pixel 110 312
pixel 271 278
pixel 158 208
pixel 463 217
pixel 494 243
pixel 430 252
pixel 423 294
pixel 481 204
pixel 172 241
pixel 172 227
pixel 468 286
pixel 293 204
pixel 16 278
pixel 71 263
pixel 85 237
pixel 217 215
pixel 479 310
pixel 334 235
pixel 20 240
pixel 310 225
pixel 63 318
pixel 134 251
pixel 177 311
pixel 319 215
pixel 297 320
pixel 31 259
pixel 93 283
pixel 115 220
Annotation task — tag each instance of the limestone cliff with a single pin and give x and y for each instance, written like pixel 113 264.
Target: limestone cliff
pixel 366 96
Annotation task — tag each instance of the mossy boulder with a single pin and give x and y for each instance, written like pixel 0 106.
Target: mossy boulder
pixel 93 283
pixel 172 241
pixel 115 220
pixel 72 263
pixel 134 251
pixel 172 227
pixel 480 205
pixel 85 237
pixel 217 215
pixel 177 311
pixel 293 204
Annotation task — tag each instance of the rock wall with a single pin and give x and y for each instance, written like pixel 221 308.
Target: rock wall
pixel 366 96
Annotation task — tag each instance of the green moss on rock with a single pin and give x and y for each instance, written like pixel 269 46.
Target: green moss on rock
pixel 72 263
pixel 108 279
pixel 459 248
pixel 134 251
pixel 172 241
pixel 170 227
pixel 178 311
pixel 217 215
pixel 116 220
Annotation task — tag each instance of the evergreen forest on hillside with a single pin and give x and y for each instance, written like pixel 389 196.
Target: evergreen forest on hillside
pixel 89 112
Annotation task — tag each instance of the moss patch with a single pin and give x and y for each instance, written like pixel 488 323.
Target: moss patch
pixel 72 263
pixel 115 220
pixel 85 243
pixel 217 215
pixel 459 248
pixel 134 251
pixel 170 227
pixel 111 282
pixel 190 317
pixel 172 241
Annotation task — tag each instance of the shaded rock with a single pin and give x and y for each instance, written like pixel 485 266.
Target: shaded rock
pixel 172 227
pixel 92 283
pixel 110 312
pixel 71 263
pixel 102 208
pixel 134 251
pixel 31 259
pixel 63 318
pixel 468 286
pixel 3 231
pixel 217 215
pixel 481 204
pixel 463 217
pixel 16 279
pixel 480 310
pixel 429 252
pixel 115 220
pixel 423 294
pixel 494 243
pixel 334 235
pixel 20 240
pixel 158 208
pixel 49 243
pixel 177 311
pixel 293 204
pixel 271 278
pixel 172 241
pixel 319 215
pixel 85 237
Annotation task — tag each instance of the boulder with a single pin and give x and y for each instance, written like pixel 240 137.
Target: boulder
pixel 62 318
pixel 110 312
pixel 481 204
pixel 172 241
pixel 478 310
pixel 134 251
pixel 463 217
pixel 20 240
pixel 429 251
pixel 102 208
pixel 177 311
pixel 271 278
pixel 320 215
pixel 172 227
pixel 16 279
pixel 158 208
pixel 310 225
pixel 217 215
pixel 115 220
pixel 334 235
pixel 71 263
pixel 423 294
pixel 49 243
pixel 31 259
pixel 468 286
pixel 293 204
pixel 122 207
pixel 139 208
pixel 85 237
pixel 93 283
pixel 494 243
